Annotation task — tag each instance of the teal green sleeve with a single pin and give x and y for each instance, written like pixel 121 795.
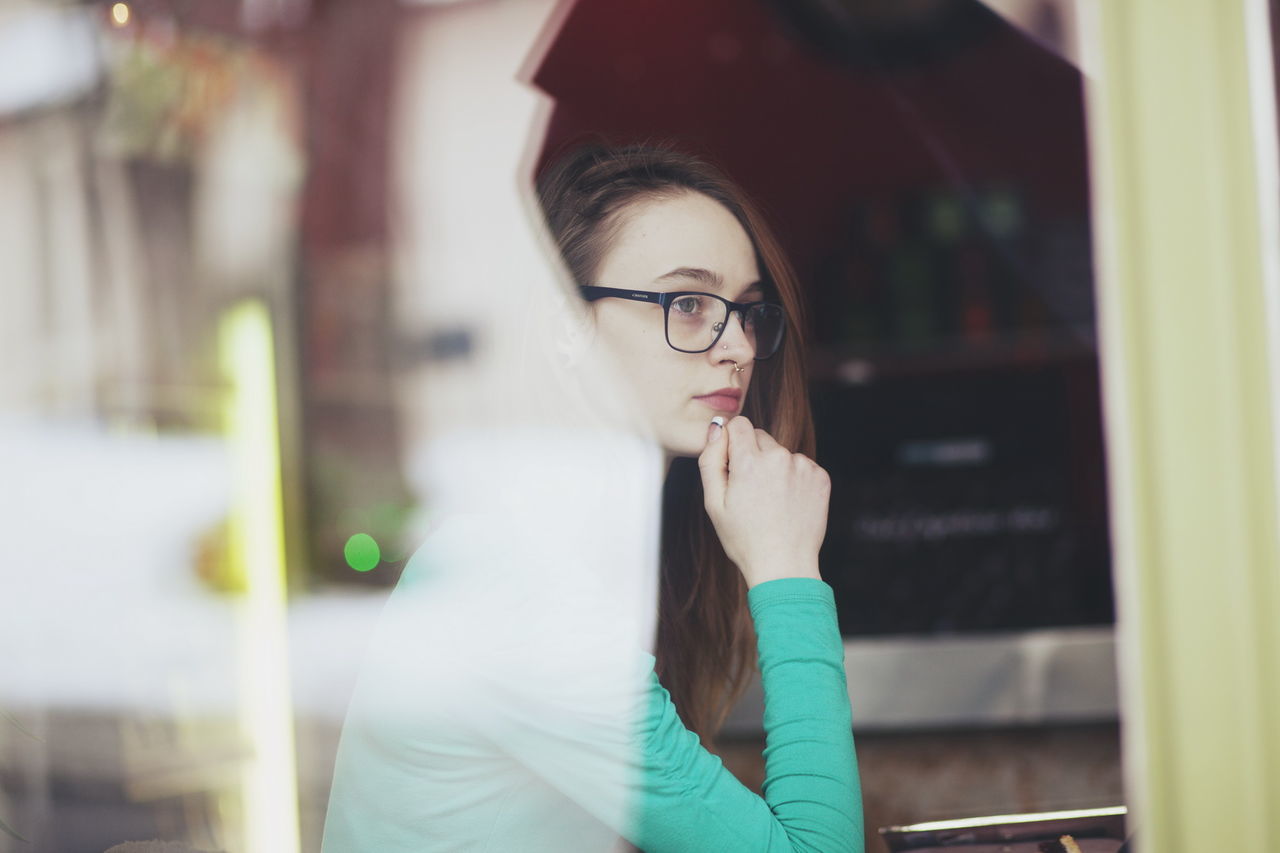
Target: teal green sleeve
pixel 812 801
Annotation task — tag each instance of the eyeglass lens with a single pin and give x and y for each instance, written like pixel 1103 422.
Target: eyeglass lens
pixel 694 322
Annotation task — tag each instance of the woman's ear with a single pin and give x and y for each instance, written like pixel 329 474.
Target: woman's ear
pixel 575 329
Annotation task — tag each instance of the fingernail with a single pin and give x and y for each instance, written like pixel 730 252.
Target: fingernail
pixel 717 424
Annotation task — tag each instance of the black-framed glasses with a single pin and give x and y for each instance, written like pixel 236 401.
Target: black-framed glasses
pixel 694 320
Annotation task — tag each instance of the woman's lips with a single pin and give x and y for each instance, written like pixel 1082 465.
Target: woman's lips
pixel 720 402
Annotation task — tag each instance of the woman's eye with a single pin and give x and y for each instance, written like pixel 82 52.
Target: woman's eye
pixel 687 305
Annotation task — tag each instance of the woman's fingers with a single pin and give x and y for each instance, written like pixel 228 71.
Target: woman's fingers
pixel 765 441
pixel 735 440
pixel 768 504
pixel 742 437
pixel 713 463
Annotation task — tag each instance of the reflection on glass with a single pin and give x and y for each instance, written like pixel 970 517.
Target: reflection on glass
pixel 363 174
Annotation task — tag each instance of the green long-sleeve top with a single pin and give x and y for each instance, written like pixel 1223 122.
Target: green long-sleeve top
pixel 811 794
pixel 433 758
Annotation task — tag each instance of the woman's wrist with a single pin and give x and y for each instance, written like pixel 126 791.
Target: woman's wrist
pixel 806 569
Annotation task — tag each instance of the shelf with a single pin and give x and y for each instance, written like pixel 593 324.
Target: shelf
pixel 852 365
pixel 1044 676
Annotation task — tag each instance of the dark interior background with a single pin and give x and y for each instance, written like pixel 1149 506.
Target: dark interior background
pixel 925 166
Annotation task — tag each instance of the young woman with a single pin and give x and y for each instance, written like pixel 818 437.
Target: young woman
pixel 691 296
pixel 689 285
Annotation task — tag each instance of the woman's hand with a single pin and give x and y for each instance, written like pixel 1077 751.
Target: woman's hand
pixel 768 505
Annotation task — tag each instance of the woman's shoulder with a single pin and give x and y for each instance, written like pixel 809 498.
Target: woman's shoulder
pixel 449 541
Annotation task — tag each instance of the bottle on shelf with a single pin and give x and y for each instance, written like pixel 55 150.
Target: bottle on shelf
pixel 910 281
pixel 1001 213
pixel 947 226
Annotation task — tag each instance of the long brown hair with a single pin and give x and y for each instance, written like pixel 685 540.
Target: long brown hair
pixel 706 642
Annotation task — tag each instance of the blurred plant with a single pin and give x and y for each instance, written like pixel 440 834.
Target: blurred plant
pixel 213 563
pixel 4 827
pixel 168 88
pixel 349 495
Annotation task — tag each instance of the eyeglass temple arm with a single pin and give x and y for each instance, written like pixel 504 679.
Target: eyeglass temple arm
pixel 591 291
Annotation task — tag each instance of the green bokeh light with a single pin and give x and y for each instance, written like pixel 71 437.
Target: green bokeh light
pixel 362 552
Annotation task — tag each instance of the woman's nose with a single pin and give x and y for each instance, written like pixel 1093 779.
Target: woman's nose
pixel 734 341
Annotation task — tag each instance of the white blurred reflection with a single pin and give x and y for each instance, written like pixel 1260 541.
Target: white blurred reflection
pixel 135 643
pixel 149 664
pixel 153 169
pixel 509 664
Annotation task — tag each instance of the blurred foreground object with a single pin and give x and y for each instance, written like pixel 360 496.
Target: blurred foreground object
pixel 1187 193
pixel 1085 831
pixel 50 55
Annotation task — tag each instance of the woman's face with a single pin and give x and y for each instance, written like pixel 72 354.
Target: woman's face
pixel 687 242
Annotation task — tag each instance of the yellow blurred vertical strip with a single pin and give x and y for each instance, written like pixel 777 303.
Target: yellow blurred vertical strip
pixel 269 783
pixel 1183 161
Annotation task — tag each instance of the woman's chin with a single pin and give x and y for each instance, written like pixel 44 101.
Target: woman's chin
pixel 688 445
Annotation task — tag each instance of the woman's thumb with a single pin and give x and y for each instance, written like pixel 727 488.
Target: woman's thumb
pixel 713 463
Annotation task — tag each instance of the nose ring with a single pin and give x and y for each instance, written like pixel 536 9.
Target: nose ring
pixel 735 364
